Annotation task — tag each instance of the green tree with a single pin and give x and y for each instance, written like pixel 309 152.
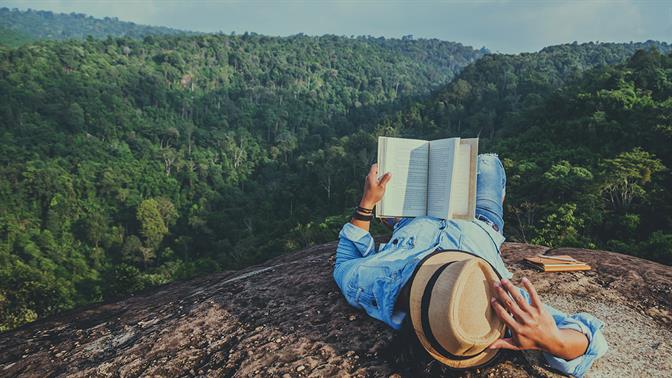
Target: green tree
pixel 562 227
pixel 625 177
pixel 152 227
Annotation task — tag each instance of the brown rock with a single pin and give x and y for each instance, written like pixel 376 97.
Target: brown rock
pixel 230 323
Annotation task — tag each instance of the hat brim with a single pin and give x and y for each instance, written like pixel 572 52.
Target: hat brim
pixel 418 284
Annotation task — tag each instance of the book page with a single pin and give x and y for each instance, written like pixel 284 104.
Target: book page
pixel 442 154
pixel 406 160
pixel 462 195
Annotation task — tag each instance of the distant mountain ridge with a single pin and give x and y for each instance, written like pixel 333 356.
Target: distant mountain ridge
pixel 39 24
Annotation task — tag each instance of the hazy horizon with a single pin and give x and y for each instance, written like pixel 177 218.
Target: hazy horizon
pixel 500 26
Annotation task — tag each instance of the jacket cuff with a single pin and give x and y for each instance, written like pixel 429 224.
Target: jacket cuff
pixel 362 239
pixel 597 344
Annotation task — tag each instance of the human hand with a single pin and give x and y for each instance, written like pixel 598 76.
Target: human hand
pixel 531 325
pixel 374 189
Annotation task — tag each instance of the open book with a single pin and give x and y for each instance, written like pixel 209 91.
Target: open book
pixel 436 178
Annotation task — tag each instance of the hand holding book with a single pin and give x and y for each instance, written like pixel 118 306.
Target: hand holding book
pixel 374 187
pixel 374 190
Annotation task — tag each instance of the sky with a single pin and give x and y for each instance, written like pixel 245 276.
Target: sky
pixel 501 26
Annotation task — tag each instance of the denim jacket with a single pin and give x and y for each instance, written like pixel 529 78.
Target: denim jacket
pixel 372 279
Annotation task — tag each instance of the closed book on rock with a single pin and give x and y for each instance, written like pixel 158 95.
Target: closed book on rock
pixel 563 263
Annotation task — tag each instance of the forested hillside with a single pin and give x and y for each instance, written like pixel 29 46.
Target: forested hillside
pixel 587 152
pixel 35 25
pixel 489 96
pixel 13 38
pixel 127 163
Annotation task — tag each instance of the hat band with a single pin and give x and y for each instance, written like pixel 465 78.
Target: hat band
pixel 424 315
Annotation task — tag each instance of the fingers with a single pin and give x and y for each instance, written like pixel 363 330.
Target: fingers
pixel 522 303
pixel 534 297
pixel 510 304
pixel 385 179
pixel 504 343
pixel 374 169
pixel 504 315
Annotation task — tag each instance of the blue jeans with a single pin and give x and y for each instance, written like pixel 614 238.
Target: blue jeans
pixel 490 192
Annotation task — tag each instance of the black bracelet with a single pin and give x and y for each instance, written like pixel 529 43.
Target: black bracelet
pixel 362 217
pixel 364 210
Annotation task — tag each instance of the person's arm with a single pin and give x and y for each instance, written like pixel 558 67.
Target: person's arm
pixel 374 189
pixel 354 239
pixel 570 343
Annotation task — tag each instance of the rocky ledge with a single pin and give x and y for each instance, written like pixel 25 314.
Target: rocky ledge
pixel 288 318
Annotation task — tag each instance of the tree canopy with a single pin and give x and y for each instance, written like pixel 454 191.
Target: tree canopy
pixel 128 163
pixel 131 162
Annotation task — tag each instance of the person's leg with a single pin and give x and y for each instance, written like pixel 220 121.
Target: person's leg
pixel 490 190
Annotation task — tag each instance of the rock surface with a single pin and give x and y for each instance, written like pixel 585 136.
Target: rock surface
pixel 288 319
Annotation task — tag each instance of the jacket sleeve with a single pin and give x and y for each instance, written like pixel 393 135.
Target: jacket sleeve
pixel 581 322
pixel 353 244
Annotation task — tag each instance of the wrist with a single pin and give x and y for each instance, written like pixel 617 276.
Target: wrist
pixel 366 203
pixel 556 346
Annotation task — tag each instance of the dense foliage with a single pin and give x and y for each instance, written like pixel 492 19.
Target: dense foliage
pixel 489 96
pixel 590 166
pixel 128 163
pixel 38 25
pixel 587 152
pixel 13 38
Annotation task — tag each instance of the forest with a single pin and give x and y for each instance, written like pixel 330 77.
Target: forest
pixel 587 153
pixel 130 162
pixel 20 27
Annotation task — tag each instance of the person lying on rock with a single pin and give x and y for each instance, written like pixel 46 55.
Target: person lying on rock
pixel 447 278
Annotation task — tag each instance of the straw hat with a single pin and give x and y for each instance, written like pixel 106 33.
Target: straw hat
pixel 450 308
